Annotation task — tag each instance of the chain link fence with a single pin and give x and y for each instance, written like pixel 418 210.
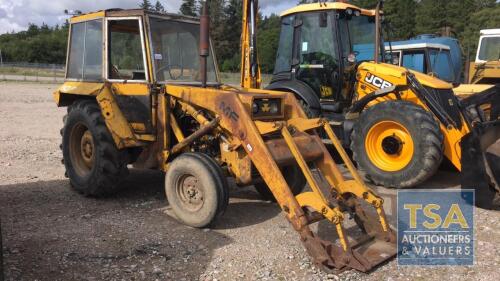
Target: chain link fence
pixel 35 72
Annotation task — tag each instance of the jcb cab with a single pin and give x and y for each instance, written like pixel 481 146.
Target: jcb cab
pixel 398 123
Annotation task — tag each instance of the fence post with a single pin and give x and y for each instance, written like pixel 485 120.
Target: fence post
pixel 36 71
pixel 54 71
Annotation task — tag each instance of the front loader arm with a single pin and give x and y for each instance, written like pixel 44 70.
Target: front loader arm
pixel 328 199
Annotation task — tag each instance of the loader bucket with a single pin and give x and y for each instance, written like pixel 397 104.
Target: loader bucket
pixel 481 162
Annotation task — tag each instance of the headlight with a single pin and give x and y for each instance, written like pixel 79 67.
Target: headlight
pixel 263 108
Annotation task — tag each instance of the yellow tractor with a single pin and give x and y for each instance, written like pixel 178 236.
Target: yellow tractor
pixel 398 123
pixel 142 88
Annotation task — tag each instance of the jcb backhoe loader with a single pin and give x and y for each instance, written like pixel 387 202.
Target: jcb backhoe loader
pixel 398 123
pixel 139 91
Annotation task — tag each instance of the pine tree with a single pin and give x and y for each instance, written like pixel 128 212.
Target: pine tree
pixel 400 17
pixel 365 4
pixel 146 5
pixel 188 8
pixel 232 33
pixel 432 15
pixel 159 7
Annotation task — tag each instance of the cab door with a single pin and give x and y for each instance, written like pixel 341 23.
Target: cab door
pixel 316 59
pixel 126 69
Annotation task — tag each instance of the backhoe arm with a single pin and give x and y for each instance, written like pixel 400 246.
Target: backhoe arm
pixel 250 69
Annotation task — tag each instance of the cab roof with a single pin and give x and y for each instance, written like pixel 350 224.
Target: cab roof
pixel 126 13
pixel 325 6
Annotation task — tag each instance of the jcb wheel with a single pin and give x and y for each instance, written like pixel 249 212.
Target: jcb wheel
pixel 397 143
pixel 293 176
pixel 94 165
pixel 196 189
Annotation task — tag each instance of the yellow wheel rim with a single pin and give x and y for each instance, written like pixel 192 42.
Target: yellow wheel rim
pixel 389 146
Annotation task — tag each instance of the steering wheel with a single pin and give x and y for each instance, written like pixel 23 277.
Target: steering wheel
pixel 115 72
pixel 169 68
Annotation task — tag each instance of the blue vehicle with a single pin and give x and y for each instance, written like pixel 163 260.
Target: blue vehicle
pixel 430 54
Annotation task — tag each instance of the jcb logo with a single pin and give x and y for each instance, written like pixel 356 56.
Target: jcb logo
pixel 377 81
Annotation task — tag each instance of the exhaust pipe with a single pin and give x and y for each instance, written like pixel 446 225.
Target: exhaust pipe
pixel 377 32
pixel 204 43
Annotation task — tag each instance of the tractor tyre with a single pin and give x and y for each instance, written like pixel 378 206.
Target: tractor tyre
pixel 94 165
pixel 293 176
pixel 307 109
pixel 196 189
pixel 397 143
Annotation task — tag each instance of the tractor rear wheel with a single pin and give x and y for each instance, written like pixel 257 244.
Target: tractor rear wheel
pixel 94 165
pixel 196 189
pixel 397 143
pixel 293 176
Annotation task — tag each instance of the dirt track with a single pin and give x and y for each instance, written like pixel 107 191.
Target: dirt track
pixel 52 233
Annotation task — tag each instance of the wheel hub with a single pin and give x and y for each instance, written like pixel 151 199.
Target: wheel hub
pixel 392 145
pixel 389 146
pixel 87 148
pixel 190 192
pixel 81 149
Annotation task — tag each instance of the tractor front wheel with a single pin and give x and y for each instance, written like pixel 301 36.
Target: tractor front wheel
pixel 397 143
pixel 196 189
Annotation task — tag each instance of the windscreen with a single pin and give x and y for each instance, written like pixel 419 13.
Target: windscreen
pixel 489 49
pixel 175 47
pixel 361 39
pixel 441 64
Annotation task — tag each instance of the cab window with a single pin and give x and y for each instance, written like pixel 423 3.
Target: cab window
pixel 317 40
pixel 317 54
pixel 284 56
pixel 415 61
pixel 85 54
pixel 125 55
pixel 441 64
pixel 175 52
pixel 489 49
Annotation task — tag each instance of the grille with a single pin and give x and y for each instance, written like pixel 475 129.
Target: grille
pixel 449 102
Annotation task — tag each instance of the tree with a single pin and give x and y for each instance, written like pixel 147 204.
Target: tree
pixel 159 7
pixel 366 4
pixel 231 33
pixel 188 8
pixel 432 15
pixel 146 5
pixel 400 17
pixel 267 42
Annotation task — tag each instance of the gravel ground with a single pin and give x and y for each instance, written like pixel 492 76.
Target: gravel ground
pixel 52 233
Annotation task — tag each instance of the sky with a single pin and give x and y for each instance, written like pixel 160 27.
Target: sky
pixel 15 15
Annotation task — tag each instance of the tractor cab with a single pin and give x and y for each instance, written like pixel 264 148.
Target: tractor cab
pixel 133 50
pixel 328 41
pixel 139 47
pixel 430 58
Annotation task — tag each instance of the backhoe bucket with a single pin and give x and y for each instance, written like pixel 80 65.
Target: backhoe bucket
pixel 481 149
pixel 481 162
